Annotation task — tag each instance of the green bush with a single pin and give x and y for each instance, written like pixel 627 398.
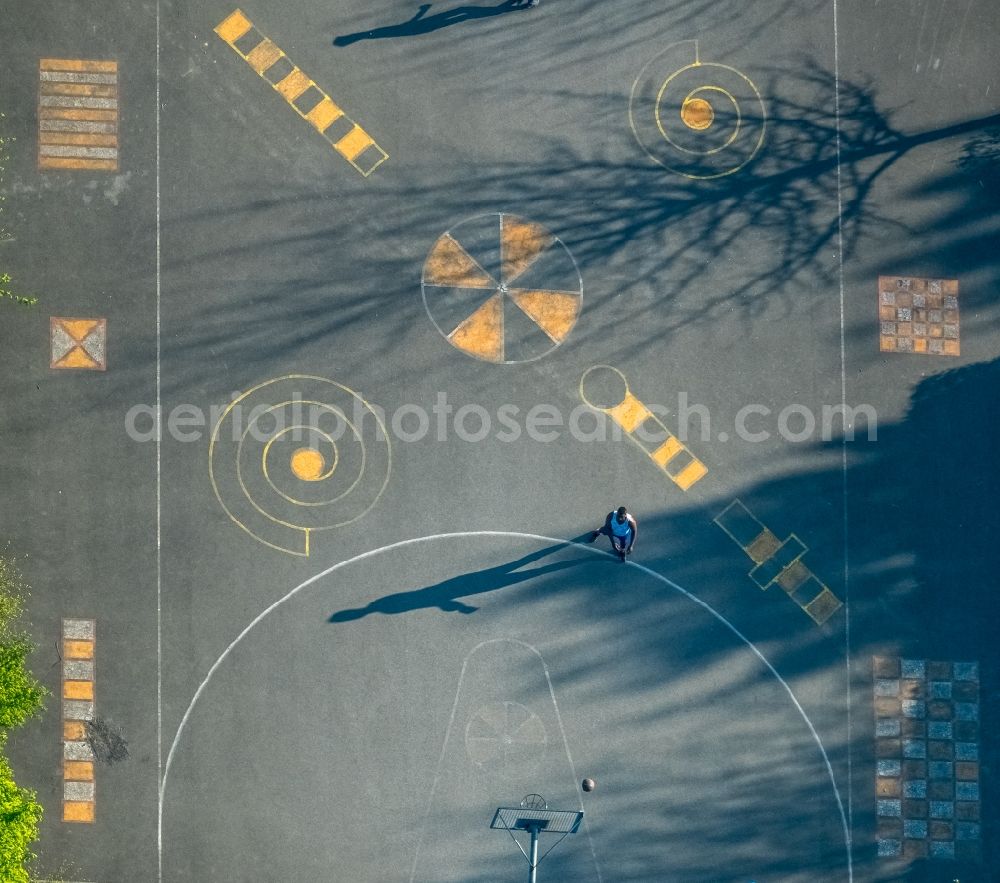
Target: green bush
pixel 20 814
pixel 20 698
pixel 20 694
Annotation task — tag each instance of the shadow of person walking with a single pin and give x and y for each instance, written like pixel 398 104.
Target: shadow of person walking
pixel 421 23
pixel 444 595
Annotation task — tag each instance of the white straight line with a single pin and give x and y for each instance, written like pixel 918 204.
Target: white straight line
pixel 843 445
pixel 159 560
pixel 70 77
pixel 525 536
pixel 71 101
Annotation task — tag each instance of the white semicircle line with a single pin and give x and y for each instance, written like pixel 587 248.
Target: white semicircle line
pixel 519 535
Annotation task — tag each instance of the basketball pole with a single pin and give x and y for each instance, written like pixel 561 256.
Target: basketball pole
pixel 533 860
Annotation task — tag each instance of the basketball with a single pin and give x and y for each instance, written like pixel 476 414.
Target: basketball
pixel 588 784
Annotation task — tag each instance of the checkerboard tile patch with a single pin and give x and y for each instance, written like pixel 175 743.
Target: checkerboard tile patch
pixel 918 315
pixel 78 708
pixel 927 758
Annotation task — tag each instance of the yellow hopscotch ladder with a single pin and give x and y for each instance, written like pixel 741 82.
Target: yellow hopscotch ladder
pixel 777 561
pixel 308 100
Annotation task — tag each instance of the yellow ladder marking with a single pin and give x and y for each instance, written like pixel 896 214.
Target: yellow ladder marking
pixel 78 770
pixel 324 113
pixel 690 474
pixel 78 811
pixel 354 142
pixel 78 649
pixel 667 451
pixel 292 86
pixel 630 414
pixel 78 689
pixel 263 56
pixel 234 27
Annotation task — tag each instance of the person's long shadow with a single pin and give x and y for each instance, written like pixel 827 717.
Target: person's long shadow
pixel 422 23
pixel 445 595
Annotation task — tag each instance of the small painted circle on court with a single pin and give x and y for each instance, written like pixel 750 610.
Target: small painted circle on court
pixel 296 455
pixel 603 387
pixel 502 732
pixel 696 118
pixel 502 289
pixel 307 464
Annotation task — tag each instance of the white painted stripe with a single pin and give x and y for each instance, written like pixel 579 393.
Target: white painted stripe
pixel 78 629
pixel 159 545
pixel 74 101
pixel 78 790
pixel 76 126
pixel 77 751
pixel 72 77
pixel 78 669
pixel 78 710
pixel 843 450
pixel 78 151
pixel 525 536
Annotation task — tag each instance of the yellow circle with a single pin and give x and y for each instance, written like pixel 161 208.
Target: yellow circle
pixel 308 464
pixel 697 113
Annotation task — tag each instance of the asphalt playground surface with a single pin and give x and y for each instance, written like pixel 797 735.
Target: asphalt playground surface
pixel 347 690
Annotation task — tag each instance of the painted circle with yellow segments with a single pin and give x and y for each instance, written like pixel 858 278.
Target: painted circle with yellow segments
pixel 502 289
pixel 699 119
pixel 296 455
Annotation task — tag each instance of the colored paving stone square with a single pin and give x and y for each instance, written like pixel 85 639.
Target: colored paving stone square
pixel 918 315
pixel 889 848
pixel 885 667
pixel 930 786
pixel 886 787
pixel 941 789
pixel 938 750
pixel 887 748
pixel 887 727
pixel 886 687
pixel 79 344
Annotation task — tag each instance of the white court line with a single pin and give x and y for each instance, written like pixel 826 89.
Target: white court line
pixel 843 442
pixel 524 536
pixel 159 556
pixel 447 736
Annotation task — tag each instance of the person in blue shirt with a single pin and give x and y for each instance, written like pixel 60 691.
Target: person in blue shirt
pixel 621 528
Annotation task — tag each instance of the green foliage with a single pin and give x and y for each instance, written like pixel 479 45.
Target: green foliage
pixel 20 698
pixel 20 694
pixel 20 814
pixel 5 292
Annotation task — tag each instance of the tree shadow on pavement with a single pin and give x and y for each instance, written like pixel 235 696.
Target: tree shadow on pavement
pixel 421 23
